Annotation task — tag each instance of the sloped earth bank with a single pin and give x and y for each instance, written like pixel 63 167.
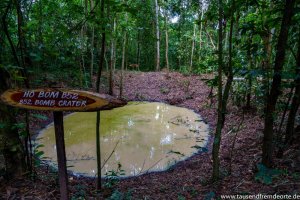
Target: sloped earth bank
pixel 188 179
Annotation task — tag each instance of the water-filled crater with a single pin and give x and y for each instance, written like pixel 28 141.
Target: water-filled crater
pixel 141 136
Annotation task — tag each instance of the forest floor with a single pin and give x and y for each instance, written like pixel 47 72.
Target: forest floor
pixel 190 179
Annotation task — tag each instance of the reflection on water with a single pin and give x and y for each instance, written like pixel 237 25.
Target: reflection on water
pixel 142 136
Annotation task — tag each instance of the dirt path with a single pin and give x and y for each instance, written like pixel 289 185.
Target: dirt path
pixel 188 179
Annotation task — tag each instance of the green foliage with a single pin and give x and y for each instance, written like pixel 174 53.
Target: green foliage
pixel 19 125
pixel 184 70
pixel 112 176
pixel 266 175
pixel 212 82
pixel 14 72
pixel 38 155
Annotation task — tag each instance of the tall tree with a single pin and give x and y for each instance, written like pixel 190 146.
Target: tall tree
pixel 223 95
pixel 200 29
pixel 123 63
pixel 92 7
pixel 217 139
pixel 112 57
pixel 157 36
pixel 193 47
pixel 289 132
pixel 101 63
pixel 274 93
pixel 167 40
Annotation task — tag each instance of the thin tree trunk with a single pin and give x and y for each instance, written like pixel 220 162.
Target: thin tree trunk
pixel 26 62
pixel 92 44
pixel 222 99
pixel 248 99
pixel 127 51
pixel 157 37
pixel 230 71
pixel 92 53
pixel 167 42
pixel 211 40
pixel 289 132
pixel 112 59
pixel 82 63
pixel 279 134
pixel 138 53
pixel 123 64
pixel 200 35
pixel 193 47
pixel 115 44
pixel 101 62
pixel 217 139
pixel 267 148
pixel 40 36
pixel 106 63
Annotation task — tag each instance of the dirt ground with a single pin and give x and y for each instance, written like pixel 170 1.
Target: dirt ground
pixel 189 179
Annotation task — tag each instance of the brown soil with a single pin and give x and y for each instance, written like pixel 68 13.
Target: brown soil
pixel 189 179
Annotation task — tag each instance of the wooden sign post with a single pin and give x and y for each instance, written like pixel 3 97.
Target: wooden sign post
pixel 59 100
pixel 61 153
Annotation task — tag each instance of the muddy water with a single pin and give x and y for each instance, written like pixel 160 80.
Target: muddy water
pixel 141 136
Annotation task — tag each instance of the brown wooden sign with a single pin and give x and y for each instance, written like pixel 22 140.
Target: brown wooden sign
pixel 59 100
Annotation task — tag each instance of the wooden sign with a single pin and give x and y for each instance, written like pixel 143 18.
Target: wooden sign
pixel 59 100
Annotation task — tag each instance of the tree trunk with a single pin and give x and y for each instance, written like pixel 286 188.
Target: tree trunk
pixel 92 54
pixel 167 42
pixel 25 62
pixel 248 100
pixel 40 37
pixel 267 148
pixel 112 59
pixel 10 143
pixel 157 37
pixel 123 64
pixel 193 47
pixel 115 48
pixel 92 44
pixel 222 98
pixel 101 62
pixel 229 69
pixel 295 101
pixel 211 40
pixel 82 63
pixel 138 52
pixel 200 35
pixel 266 64
pixel 217 139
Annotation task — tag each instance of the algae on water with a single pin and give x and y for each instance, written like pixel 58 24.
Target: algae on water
pixel 143 136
